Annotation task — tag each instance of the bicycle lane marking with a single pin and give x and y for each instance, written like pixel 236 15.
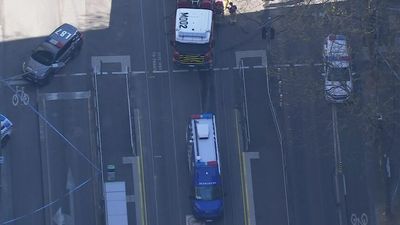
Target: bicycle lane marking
pixel 20 95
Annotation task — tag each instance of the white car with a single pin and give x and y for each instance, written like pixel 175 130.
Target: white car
pixel 6 129
pixel 337 69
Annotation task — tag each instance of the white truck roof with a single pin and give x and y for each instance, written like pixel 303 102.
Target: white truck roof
pixel 115 202
pixel 204 135
pixel 193 25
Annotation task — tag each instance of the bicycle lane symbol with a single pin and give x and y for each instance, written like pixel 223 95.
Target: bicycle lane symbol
pixel 362 220
pixel 20 96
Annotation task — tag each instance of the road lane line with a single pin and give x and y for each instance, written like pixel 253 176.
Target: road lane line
pixel 244 199
pixel 151 147
pixel 159 71
pixel 138 72
pixel 16 82
pixel 118 73
pixel 301 64
pixel 180 71
pixel 279 134
pixel 338 164
pixel 248 156
pixel 129 113
pixel 240 67
pixel 44 155
pixel 142 189
pixel 79 74
pixel 259 67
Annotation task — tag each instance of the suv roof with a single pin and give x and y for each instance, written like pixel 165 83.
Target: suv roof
pixel 62 35
pixel 336 52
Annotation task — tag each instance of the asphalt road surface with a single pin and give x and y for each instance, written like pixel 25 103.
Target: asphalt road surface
pixel 121 103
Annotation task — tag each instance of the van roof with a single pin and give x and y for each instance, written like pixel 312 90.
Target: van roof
pixel 193 25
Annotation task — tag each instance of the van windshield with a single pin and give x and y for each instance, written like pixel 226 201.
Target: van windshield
pixel 208 192
pixel 193 49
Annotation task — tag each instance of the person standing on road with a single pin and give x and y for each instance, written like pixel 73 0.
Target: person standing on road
pixel 232 11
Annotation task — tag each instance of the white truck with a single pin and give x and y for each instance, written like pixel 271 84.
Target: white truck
pixel 193 42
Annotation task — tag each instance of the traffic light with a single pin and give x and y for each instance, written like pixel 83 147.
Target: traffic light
pixel 264 33
pixel 270 31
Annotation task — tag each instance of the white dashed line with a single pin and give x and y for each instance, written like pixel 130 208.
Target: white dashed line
pixel 301 64
pixel 138 72
pixel 17 82
pixel 160 71
pixel 79 74
pixel 244 67
pixel 259 67
pixel 180 71
pixel 118 73
pixel 13 81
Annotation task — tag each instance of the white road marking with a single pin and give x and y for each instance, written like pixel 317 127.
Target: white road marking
pixel 301 64
pixel 159 71
pixel 138 72
pixel 259 67
pixel 190 220
pixel 246 157
pixel 156 61
pixel 79 74
pixel 118 73
pixel 251 54
pixel 180 71
pixel 243 67
pixel 17 82
pixel 65 95
pixel 20 96
pixel 125 61
pixel 17 79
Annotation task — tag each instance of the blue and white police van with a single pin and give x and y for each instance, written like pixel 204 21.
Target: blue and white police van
pixel 6 129
pixel 205 167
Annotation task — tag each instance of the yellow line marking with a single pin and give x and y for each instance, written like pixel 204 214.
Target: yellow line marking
pixel 141 172
pixel 244 188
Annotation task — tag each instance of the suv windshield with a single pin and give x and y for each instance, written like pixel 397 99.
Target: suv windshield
pixel 43 56
pixel 189 48
pixel 45 53
pixel 338 74
pixel 209 192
